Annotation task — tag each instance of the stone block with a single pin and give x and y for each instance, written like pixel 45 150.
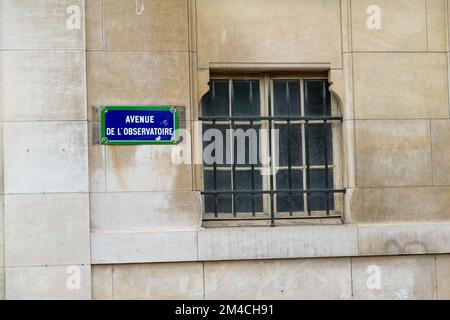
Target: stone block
pixel 49 24
pixel 443 276
pixel 49 283
pixel 277 243
pixel 140 211
pixel 267 31
pixel 44 86
pixel 400 278
pixel 403 25
pixel 45 157
pixel 102 282
pixel 393 153
pixel 436 25
pixel 400 85
pixel 145 168
pixel 403 239
pixel 168 281
pixel 138 78
pixel 94 24
pixel 144 247
pixel 440 140
pixel 97 161
pixel 47 229
pixel 2 284
pixel 387 205
pixel 2 232
pixel 146 25
pixel 311 279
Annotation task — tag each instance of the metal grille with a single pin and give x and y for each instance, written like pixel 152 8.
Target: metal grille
pixel 302 183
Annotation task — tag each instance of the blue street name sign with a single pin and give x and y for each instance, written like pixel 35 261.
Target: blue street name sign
pixel 139 125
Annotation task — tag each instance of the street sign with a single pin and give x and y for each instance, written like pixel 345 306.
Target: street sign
pixel 139 125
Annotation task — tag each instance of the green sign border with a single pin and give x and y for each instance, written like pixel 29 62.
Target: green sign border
pixel 104 141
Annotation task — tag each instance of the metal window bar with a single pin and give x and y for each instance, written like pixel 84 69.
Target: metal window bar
pixel 305 121
pixel 216 200
pixel 289 147
pixel 253 166
pixel 272 165
pixel 308 166
pixel 325 139
pixel 308 169
pixel 232 127
pixel 286 191
pixel 317 119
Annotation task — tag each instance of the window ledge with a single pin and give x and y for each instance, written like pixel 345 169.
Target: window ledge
pixel 252 243
pixel 277 243
pixel 269 67
pixel 227 223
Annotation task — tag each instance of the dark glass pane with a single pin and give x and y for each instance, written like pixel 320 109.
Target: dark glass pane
pixel 315 104
pixel 223 183
pixel 246 99
pixel 295 145
pixel 316 139
pixel 246 145
pixel 211 148
pixel 216 101
pixel 317 181
pixel 243 181
pixel 285 203
pixel 286 97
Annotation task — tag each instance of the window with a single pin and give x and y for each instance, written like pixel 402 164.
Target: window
pixel 270 150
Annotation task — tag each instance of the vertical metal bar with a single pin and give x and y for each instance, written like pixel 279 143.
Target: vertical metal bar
pixel 308 166
pixel 253 165
pixel 233 168
pixel 303 150
pixel 326 167
pixel 272 171
pixel 216 200
pixel 289 147
pixel 325 130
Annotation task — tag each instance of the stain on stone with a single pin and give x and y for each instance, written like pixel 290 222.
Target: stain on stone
pixel 122 159
pixel 394 247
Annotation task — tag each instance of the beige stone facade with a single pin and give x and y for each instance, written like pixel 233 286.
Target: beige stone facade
pixel 80 220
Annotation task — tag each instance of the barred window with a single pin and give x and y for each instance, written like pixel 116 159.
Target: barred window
pixel 270 150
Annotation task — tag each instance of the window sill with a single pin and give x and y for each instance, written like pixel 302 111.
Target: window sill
pixel 228 223
pixel 284 242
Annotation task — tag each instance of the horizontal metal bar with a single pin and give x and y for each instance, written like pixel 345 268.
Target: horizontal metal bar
pixel 276 218
pixel 290 191
pixel 262 118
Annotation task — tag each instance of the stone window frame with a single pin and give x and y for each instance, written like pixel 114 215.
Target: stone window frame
pixel 266 81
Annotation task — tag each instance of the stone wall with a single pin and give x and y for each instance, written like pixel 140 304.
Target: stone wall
pixel 402 277
pixel 69 204
pixel 45 143
pixel 2 197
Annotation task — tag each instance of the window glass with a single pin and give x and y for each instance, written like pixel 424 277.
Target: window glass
pixel 318 135
pixel 216 101
pixel 286 202
pixel 246 100
pixel 290 141
pixel 212 154
pixel 317 201
pixel 223 183
pixel 317 98
pixel 239 168
pixel 246 145
pixel 243 181
pixel 286 97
